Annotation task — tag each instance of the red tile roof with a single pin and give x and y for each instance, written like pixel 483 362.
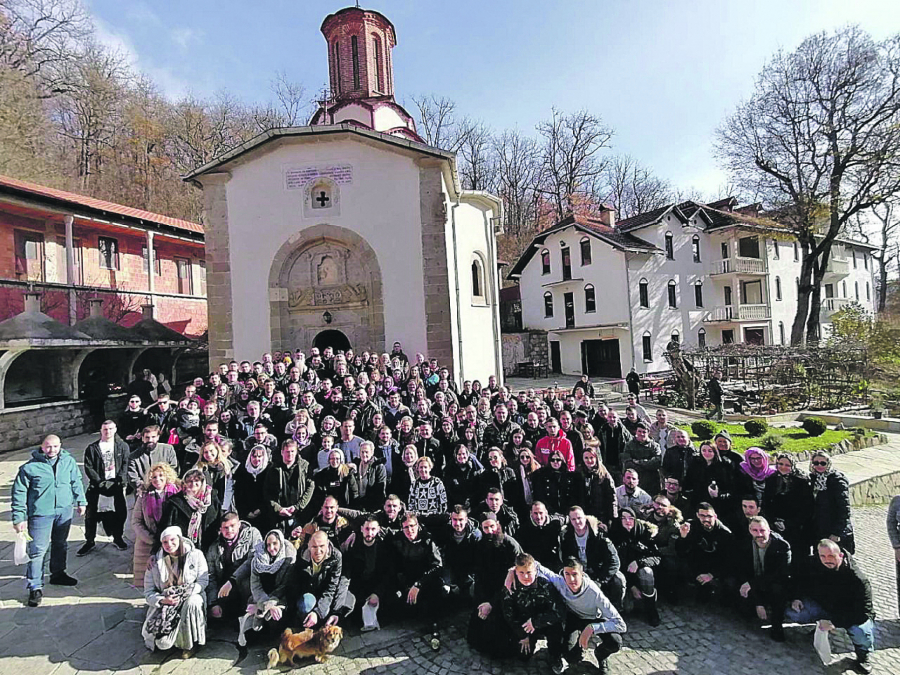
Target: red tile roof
pixel 97 204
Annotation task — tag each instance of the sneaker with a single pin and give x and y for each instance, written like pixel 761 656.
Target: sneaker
pixel 62 579
pixel 120 544
pixel 558 665
pixel 87 548
pixel 35 597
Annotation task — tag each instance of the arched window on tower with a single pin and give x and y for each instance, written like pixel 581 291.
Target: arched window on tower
pixel 379 63
pixel 354 52
pixel 336 85
pixel 644 293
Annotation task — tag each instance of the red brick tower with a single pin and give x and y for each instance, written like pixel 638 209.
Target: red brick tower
pixel 361 74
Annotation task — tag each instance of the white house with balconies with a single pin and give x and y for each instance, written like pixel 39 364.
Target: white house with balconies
pixel 613 295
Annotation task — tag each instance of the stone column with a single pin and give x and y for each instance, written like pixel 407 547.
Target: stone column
pixel 151 265
pixel 218 268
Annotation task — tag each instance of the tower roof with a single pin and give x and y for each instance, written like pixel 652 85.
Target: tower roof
pixel 358 12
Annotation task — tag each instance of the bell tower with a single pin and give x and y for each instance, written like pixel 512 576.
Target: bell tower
pixel 361 74
pixel 359 53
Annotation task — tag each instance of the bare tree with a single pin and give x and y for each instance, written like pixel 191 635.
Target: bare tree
pixel 887 225
pixel 571 157
pixel 289 108
pixel 438 124
pixel 632 188
pixel 819 139
pixel 477 163
pixel 39 37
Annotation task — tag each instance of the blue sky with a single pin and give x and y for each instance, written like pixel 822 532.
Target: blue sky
pixel 662 73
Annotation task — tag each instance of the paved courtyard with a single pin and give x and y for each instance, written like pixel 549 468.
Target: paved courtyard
pixel 95 627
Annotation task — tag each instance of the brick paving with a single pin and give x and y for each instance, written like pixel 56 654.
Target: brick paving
pixel 95 628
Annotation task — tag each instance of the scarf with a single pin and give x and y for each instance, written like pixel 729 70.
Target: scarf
pixel 264 464
pixel 820 484
pixel 526 485
pixel 198 504
pixel 153 502
pixel 761 473
pixel 263 563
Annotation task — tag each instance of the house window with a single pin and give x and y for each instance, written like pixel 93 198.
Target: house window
pixel 590 299
pixel 545 262
pixel 868 290
pixel 379 66
pixel 585 251
pixel 724 250
pixel 109 253
pixel 644 293
pixel 856 289
pixel 796 252
pixel 778 288
pixel 29 255
pixel 698 293
pixel 781 332
pixel 548 304
pixel 853 253
pixel 477 280
pixel 844 284
pixel 865 258
pixel 695 247
pixel 670 247
pixel 183 268
pixel 354 54
pixel 647 346
pixel 675 337
pixel 337 68
pixel 156 264
pixel 701 338
pixel 776 252
pixel 748 247
pixel 672 294
pixel 62 273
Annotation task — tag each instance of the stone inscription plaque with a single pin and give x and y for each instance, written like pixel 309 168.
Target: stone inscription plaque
pixel 297 178
pixel 348 295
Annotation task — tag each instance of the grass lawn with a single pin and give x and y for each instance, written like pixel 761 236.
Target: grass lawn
pixel 795 438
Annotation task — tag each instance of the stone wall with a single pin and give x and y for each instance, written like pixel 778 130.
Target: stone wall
pixel 523 347
pixel 27 426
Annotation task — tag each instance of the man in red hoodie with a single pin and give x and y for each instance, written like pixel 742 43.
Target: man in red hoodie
pixel 554 441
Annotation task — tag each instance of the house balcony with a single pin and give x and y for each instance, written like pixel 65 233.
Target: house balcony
pixel 734 313
pixel 837 268
pixel 831 306
pixel 739 266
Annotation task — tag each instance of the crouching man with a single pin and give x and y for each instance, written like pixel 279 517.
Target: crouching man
pixel 838 595
pixel 324 595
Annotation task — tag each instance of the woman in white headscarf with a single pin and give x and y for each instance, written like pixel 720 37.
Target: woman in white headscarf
pixel 174 587
pixel 270 574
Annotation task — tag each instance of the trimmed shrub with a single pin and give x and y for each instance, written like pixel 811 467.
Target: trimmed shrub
pixel 704 429
pixel 771 443
pixel 814 426
pixel 756 427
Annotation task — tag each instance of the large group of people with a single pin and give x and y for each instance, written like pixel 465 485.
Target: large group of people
pixel 313 489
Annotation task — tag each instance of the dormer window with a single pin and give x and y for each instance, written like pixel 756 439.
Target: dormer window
pixel 585 251
pixel 670 247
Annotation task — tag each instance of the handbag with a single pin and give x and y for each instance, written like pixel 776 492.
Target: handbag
pixel 173 438
pixel 822 646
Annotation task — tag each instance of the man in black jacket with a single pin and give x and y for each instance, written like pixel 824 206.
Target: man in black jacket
pixel 418 569
pixel 499 432
pixel 105 462
pixel 228 560
pixel 708 547
pixel 583 540
pixel 458 541
pixel 369 564
pixel 837 594
pixel 324 593
pixel 762 567
pixel 539 535
pixel 494 503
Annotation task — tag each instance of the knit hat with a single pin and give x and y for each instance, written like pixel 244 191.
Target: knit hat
pixel 723 434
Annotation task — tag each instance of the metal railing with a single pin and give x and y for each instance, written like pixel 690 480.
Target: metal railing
pixel 740 266
pixel 739 313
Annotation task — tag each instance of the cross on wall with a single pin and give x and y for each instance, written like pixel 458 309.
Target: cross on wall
pixel 322 199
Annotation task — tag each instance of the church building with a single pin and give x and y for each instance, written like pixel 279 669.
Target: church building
pixel 351 231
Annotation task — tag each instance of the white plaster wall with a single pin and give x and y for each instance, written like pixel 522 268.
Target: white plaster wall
pixel 381 205
pixel 353 113
pixel 479 358
pixel 386 118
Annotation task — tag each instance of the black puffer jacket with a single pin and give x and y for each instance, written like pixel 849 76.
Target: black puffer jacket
pixel 637 545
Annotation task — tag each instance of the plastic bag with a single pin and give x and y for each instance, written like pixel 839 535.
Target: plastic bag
pixel 20 554
pixel 822 645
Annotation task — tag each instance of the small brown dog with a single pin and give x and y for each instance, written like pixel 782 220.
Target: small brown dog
pixel 319 643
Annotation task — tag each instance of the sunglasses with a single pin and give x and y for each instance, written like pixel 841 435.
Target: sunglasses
pixel 820 463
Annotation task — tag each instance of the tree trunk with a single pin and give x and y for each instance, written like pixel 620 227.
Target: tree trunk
pixel 813 325
pixel 882 279
pixel 804 290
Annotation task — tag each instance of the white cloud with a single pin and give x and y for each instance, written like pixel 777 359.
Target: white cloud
pixel 172 86
pixel 184 36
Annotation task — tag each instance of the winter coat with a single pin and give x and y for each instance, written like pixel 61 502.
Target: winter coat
pixel 542 542
pixel 788 499
pixel 602 559
pixel 831 508
pixel 231 566
pixel 140 461
pixel 540 602
pixel 250 496
pixel 613 440
pixel 416 561
pixel 638 545
pixel 550 444
pixel 459 557
pixel 845 593
pixel 707 551
pixel 676 460
pixel 194 572
pixel 461 481
pixel 376 486
pixel 555 487
pixel 596 495
pixel 95 470
pixel 776 563
pixel 501 478
pixel 288 486
pixel 492 560
pixel 177 511
pixel 344 488
pixel 497 435
pixel 40 487
pixel 327 585
pixel 645 458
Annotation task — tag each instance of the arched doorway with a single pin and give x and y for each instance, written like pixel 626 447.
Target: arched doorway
pixel 332 338
pixel 325 280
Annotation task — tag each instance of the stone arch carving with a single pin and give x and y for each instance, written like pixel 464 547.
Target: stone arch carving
pixel 326 268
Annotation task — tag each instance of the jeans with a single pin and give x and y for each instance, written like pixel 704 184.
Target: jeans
pixel 862 636
pixel 48 546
